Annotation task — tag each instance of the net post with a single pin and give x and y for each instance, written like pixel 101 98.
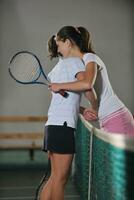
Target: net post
pixel 90 163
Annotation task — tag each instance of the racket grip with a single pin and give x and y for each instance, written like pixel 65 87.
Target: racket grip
pixel 63 93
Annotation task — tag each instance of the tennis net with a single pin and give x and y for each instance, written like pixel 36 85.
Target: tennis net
pixel 104 164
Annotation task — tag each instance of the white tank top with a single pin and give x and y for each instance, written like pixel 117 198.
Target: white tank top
pixel 65 109
pixel 108 100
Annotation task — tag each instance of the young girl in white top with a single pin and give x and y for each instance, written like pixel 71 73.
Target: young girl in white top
pixel 62 115
pixel 112 113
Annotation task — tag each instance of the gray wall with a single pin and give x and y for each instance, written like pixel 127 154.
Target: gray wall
pixel 27 24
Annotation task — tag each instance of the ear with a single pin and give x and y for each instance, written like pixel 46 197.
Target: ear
pixel 68 42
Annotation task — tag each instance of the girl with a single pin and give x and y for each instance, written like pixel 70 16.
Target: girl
pixel 62 116
pixel 113 115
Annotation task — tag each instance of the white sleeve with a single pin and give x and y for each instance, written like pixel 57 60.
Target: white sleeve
pixel 87 58
pixel 90 57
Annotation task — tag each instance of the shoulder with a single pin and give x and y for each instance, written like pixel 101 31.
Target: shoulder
pixel 74 60
pixel 73 63
pixel 55 68
pixel 91 57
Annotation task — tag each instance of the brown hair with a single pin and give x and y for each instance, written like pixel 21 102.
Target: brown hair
pixel 78 35
pixel 86 40
pixel 52 47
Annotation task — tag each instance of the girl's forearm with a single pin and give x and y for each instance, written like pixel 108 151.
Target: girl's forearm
pixel 75 86
pixel 92 97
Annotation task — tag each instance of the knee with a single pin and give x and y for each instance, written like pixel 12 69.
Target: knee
pixel 60 179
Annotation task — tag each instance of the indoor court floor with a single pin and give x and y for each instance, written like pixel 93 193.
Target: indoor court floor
pixel 20 184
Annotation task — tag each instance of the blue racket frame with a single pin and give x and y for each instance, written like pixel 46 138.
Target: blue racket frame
pixel 40 67
pixel 62 92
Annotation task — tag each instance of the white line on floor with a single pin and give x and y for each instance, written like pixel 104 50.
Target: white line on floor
pixel 17 188
pixel 24 187
pixel 31 197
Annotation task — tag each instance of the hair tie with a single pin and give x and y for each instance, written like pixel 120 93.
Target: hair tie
pixel 77 30
pixel 55 37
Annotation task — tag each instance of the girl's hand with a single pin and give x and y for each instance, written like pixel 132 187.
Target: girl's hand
pixel 55 87
pixel 90 114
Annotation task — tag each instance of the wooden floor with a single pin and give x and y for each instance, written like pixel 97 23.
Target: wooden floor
pixel 20 184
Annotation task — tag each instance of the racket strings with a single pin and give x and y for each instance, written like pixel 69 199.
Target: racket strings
pixel 25 67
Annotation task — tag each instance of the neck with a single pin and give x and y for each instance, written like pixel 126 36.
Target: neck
pixel 79 54
pixel 76 53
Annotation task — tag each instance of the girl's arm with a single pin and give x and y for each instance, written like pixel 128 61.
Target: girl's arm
pixel 89 94
pixel 92 97
pixel 91 113
pixel 81 85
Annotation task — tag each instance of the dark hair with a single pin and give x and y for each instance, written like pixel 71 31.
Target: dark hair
pixel 70 32
pixel 52 47
pixel 86 40
pixel 78 35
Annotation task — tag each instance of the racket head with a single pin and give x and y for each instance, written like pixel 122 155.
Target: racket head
pixel 25 68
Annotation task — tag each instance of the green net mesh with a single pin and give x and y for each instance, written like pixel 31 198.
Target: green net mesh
pixel 112 168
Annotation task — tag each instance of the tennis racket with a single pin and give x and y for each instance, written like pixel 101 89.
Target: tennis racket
pixel 25 68
pixel 43 181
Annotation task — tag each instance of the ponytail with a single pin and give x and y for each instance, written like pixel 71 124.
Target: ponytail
pixel 52 47
pixel 86 40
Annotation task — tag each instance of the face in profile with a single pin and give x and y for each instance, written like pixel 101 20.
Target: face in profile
pixel 63 48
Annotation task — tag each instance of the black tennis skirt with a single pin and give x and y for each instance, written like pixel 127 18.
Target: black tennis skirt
pixel 59 139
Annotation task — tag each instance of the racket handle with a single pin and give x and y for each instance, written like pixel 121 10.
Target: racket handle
pixel 63 93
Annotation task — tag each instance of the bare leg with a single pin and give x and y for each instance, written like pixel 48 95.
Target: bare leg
pixel 60 173
pixel 46 191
